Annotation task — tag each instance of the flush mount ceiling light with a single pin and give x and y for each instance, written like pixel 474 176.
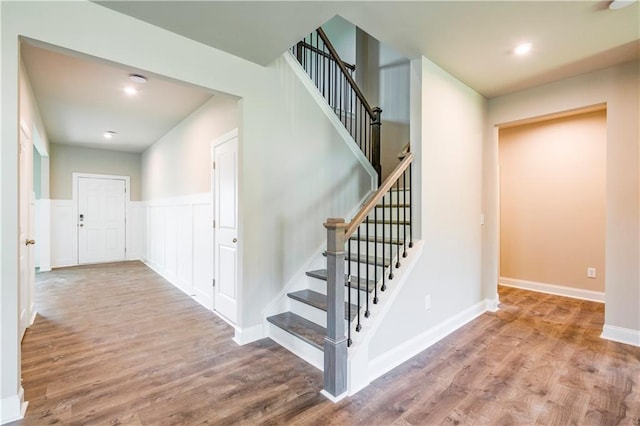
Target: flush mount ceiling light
pixel 109 134
pixel 129 90
pixel 619 4
pixel 523 49
pixel 137 78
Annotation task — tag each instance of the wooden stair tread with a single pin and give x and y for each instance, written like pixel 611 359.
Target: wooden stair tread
pixel 377 240
pixel 368 260
pixel 319 300
pixel 357 283
pixel 300 327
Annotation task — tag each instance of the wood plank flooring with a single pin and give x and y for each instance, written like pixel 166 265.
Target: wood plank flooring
pixel 117 345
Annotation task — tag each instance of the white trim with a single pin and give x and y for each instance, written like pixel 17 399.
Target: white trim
pixel 13 407
pixel 297 346
pixel 621 335
pixel 391 359
pixel 334 399
pixel 247 335
pixel 333 118
pixel 127 198
pixel 360 373
pixel 492 305
pixel 558 290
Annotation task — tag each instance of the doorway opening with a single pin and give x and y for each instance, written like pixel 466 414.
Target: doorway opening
pixel 552 175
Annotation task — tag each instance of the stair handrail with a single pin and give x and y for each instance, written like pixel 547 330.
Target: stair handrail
pixel 347 74
pixel 364 211
pixel 314 49
pixel 403 152
pixel 337 85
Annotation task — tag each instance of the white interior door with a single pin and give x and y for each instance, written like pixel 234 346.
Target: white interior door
pixel 101 220
pixel 226 228
pixel 27 269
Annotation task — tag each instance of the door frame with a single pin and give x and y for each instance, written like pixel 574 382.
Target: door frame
pixel 219 141
pixel 127 199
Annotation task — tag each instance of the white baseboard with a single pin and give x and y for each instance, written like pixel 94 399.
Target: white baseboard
pixel 334 399
pixel 621 335
pixel 558 290
pixel 492 305
pixel 393 358
pixel 13 407
pixel 247 335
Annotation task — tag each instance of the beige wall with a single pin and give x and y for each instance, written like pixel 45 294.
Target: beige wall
pixel 619 88
pixel 67 159
pixel 553 200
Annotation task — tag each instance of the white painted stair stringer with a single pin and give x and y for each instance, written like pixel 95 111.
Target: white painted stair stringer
pixel 358 362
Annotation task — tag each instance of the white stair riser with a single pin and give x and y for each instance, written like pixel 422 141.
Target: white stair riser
pixel 388 249
pixel 309 353
pixel 311 313
pixel 379 228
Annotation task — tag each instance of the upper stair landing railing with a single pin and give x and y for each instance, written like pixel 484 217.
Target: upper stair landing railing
pixel 333 78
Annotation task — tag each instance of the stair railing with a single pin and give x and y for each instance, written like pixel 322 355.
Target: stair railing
pixel 333 78
pixel 392 246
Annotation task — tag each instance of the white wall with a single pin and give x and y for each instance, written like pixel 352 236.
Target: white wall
pixel 179 243
pixel 176 187
pixel 447 141
pixel 619 88
pixel 179 163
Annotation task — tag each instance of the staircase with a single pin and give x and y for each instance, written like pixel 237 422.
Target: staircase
pixel 362 254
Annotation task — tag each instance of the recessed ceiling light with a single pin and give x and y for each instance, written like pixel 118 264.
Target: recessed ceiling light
pixel 137 78
pixel 619 4
pixel 523 49
pixel 109 134
pixel 129 90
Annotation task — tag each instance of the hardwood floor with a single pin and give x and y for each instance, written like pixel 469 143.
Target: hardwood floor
pixel 117 345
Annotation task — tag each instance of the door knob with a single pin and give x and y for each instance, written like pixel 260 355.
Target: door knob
pixel 235 240
pixel 29 242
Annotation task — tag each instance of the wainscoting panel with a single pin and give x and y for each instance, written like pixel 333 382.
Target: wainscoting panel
pixel 64 247
pixel 180 243
pixel 136 230
pixel 42 223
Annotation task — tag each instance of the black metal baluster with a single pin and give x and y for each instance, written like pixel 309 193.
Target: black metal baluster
pixel 358 326
pixel 398 220
pixel 410 211
pixel 375 256
pixel 391 207
pixel 349 291
pixel 384 255
pixel 366 312
pixel 404 212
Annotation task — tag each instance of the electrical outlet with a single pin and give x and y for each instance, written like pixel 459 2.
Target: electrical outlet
pixel 591 273
pixel 427 302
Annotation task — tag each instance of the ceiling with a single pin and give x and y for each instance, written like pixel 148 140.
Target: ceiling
pixel 81 97
pixel 472 40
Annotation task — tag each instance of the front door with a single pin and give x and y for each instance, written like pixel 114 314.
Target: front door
pixel 226 227
pixel 101 219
